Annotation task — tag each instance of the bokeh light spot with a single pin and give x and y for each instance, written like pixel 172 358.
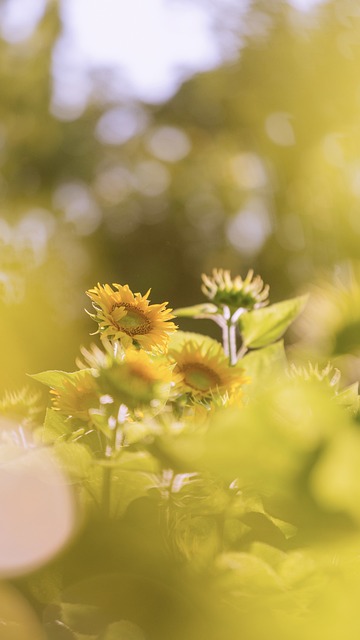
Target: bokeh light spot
pixel 119 124
pixel 79 208
pixel 249 228
pixel 152 178
pixel 169 144
pixel 37 510
pixel 279 129
pixel 248 171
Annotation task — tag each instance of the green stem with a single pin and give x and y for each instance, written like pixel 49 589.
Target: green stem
pixel 225 337
pixel 242 351
pixel 233 324
pixel 107 473
pixel 232 344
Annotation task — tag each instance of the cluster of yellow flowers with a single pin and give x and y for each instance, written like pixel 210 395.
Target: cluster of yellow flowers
pixel 145 363
pixel 144 358
pixel 144 368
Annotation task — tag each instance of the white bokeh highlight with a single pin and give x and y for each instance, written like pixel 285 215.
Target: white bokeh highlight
pixel 37 510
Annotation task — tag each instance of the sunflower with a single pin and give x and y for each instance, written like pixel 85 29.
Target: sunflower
pixel 204 369
pixel 135 379
pixel 21 406
pixel 329 376
pixel 76 394
pixel 130 318
pixel 222 289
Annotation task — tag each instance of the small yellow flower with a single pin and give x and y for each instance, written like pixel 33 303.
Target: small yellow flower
pixel 94 357
pixel 136 379
pixel 205 370
pixel 21 406
pixel 328 375
pixel 77 394
pixel 130 318
pixel 250 293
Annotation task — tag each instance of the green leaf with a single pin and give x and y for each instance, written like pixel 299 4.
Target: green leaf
pixel 137 461
pixel 245 573
pixel 127 486
pixel 269 443
pixel 335 480
pixel 75 459
pixel 262 363
pixel 55 426
pixel 349 397
pixel 55 379
pixel 263 326
pixel 197 311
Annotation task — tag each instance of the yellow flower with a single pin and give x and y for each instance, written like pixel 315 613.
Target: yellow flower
pixel 250 293
pixel 130 318
pixel 204 369
pixel 136 379
pixel 76 395
pixel 21 406
pixel 329 375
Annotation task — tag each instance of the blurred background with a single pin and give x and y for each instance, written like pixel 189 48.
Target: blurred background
pixel 148 141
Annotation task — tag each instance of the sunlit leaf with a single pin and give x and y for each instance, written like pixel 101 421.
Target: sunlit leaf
pixel 263 326
pixel 75 459
pixel 55 426
pixel 268 442
pixel 197 311
pixel 56 379
pixel 262 363
pixel 244 572
pixel 335 479
pixel 349 397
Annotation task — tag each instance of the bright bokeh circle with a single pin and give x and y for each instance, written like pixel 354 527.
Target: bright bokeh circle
pixel 37 509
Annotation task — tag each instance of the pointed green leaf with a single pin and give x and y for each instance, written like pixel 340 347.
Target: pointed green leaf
pixel 55 426
pixel 261 327
pixel 55 422
pixel 55 379
pixel 197 310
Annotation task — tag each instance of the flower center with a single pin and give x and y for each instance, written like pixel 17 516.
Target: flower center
pixel 200 377
pixel 133 322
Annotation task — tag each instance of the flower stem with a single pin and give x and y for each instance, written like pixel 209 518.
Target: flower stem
pixel 242 351
pixel 232 325
pixel 232 344
pixel 107 473
pixel 225 337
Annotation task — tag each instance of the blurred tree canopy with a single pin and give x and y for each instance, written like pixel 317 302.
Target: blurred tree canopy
pixel 252 164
